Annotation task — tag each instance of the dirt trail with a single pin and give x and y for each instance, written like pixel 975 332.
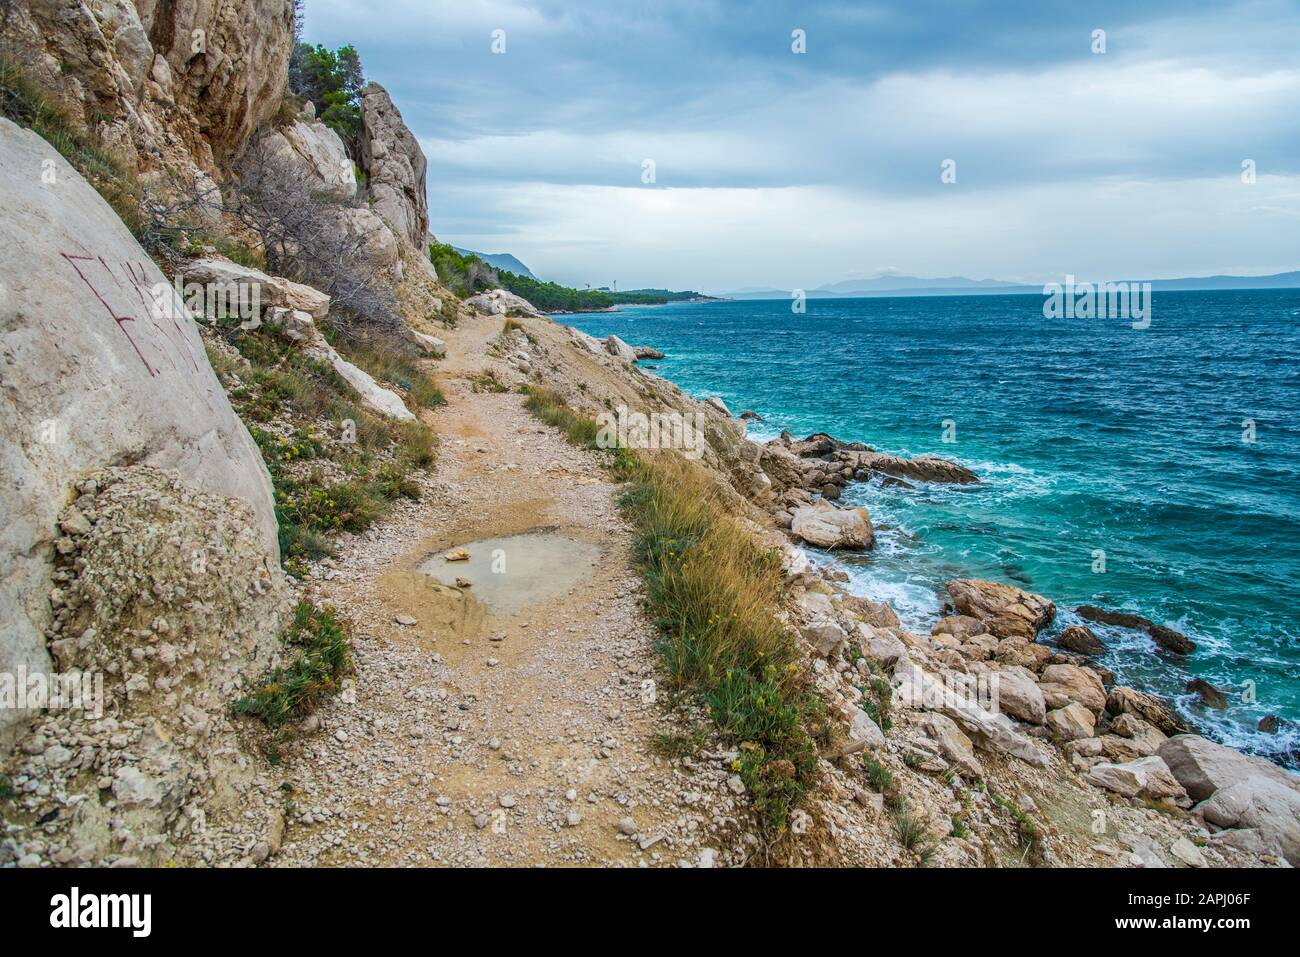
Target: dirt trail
pixel 477 736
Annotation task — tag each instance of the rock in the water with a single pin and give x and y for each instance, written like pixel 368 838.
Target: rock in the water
pixel 645 352
pixel 923 468
pixel 1080 639
pixel 826 526
pixel 1209 695
pixel 1008 612
pixel 1123 700
pixel 1165 637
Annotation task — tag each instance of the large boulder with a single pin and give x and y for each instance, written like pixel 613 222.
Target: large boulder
pixel 1008 611
pixel 1145 777
pixel 914 687
pixel 167 595
pixel 1071 722
pixel 1268 806
pixel 1063 684
pixel 102 365
pixel 395 167
pixel 619 349
pixel 954 744
pixel 826 526
pixel 1018 694
pixel 1203 767
pixel 271 291
pixel 499 302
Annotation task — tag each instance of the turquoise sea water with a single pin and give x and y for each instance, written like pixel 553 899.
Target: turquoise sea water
pixel 1088 435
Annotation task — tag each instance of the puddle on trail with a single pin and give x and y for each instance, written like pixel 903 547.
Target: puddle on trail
pixel 509 574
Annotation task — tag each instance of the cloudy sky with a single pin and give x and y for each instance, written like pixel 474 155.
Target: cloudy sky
pixel 778 169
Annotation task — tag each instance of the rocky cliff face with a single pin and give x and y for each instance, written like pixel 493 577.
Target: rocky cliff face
pixel 178 83
pixel 100 366
pixel 395 165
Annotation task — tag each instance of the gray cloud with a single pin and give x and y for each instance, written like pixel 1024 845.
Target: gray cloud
pixel 742 131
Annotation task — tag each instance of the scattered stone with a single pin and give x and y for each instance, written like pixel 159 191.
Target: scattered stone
pixel 1187 852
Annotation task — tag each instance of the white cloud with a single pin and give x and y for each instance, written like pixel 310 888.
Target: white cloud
pixel 801 237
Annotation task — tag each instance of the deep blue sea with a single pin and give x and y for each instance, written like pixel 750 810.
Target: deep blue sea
pixel 1088 434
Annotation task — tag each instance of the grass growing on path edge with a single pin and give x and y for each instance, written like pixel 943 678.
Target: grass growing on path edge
pixel 321 658
pixel 714 592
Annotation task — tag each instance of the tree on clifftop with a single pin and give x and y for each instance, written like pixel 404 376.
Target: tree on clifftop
pixel 332 81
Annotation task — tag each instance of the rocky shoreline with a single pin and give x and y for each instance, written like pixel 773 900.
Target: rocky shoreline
pixel 1120 739
pixel 981 701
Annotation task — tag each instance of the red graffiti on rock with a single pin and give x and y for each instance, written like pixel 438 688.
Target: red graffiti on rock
pixel 129 299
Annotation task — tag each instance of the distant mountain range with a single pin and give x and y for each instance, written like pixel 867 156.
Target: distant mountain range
pixel 500 261
pixel 896 285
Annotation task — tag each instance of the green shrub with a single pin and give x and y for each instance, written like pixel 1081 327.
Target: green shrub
pixel 320 660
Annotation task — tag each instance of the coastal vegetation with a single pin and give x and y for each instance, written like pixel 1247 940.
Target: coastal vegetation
pixel 467 274
pixel 714 593
pixel 328 475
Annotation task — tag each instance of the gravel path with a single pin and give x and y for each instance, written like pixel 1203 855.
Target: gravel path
pixel 472 737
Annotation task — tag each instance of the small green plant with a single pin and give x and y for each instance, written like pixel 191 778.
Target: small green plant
pixel 879 777
pixel 877 699
pixel 959 829
pixel 7 792
pixel 1028 834
pixel 321 659
pixel 673 745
